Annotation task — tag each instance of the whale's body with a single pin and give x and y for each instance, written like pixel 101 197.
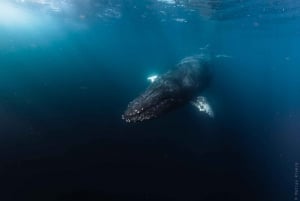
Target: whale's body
pixel 171 90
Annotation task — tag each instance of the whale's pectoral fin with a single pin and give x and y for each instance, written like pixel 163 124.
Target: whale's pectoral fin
pixel 203 105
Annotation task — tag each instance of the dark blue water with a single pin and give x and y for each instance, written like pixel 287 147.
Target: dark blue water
pixel 68 70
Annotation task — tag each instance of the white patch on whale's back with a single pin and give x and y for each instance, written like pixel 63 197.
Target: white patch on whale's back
pixel 152 78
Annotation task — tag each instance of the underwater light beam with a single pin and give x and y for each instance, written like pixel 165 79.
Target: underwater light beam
pixel 14 16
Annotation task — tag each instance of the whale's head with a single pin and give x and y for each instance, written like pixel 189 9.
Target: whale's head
pixel 160 97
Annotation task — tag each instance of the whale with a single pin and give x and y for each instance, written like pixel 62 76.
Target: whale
pixel 182 84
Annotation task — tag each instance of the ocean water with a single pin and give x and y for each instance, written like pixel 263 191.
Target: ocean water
pixel 68 69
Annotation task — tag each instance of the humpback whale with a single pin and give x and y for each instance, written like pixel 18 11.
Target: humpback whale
pixel 171 90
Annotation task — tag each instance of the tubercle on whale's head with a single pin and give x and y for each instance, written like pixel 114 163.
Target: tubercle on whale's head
pixel 140 113
pixel 156 100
